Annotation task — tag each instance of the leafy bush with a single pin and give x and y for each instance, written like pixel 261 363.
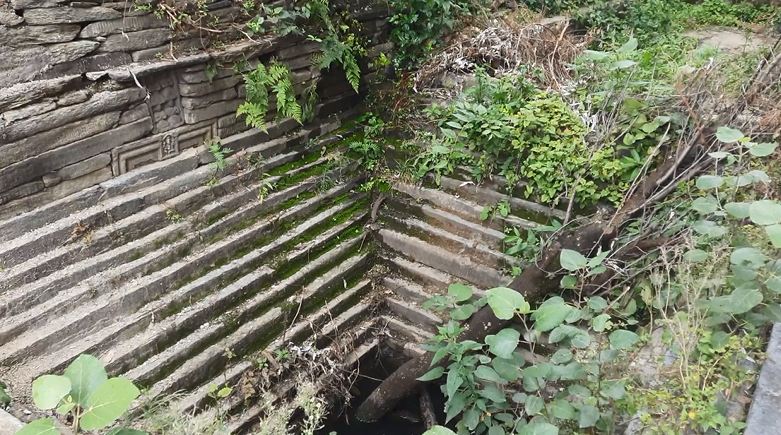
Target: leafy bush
pixel 84 391
pixel 418 26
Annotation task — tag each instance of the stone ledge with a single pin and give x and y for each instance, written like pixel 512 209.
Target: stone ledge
pixel 764 416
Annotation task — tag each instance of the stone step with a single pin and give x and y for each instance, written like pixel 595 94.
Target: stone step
pixel 463 208
pixel 253 334
pixel 413 314
pixel 476 250
pixel 144 257
pixel 406 290
pixel 459 266
pixel 93 313
pixel 433 279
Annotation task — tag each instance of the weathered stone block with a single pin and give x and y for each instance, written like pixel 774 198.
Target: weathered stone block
pixel 50 161
pixel 101 102
pixel 74 97
pixel 195 103
pixel 40 143
pixel 98 62
pixel 84 167
pixel 212 111
pixel 27 111
pixel 162 95
pixel 201 76
pixel 66 15
pixel 9 18
pixel 134 114
pixel 25 63
pixel 132 41
pixel 21 191
pixel 197 90
pixel 24 93
pixel 126 24
pixel 298 49
pixel 29 4
pixel 32 35
pixel 52 179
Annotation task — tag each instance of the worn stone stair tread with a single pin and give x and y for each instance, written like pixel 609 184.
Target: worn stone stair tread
pixel 413 314
pixel 428 276
pixel 458 206
pixel 453 223
pixel 56 303
pixel 92 312
pixel 476 250
pixel 406 290
pixel 197 367
pixel 301 330
pixel 433 256
pixel 408 331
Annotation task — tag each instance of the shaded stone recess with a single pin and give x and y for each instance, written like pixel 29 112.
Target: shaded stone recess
pixel 77 110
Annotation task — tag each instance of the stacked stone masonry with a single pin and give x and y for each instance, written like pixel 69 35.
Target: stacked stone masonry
pixel 92 90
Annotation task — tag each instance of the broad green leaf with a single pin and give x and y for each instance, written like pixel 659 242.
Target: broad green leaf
pixel 496 430
pixel 561 356
pixel 534 405
pixel 42 426
pixel 624 64
pixel 622 339
pixel 707 182
pixel 493 393
pixel 66 406
pixel 459 292
pixel 729 135
pixel 505 302
pixel 597 303
pixel 86 373
pixel 588 416
pixel 432 374
pixel 628 47
pixel 507 369
pixel 454 380
pixel 762 149
pixel 601 322
pixel 439 430
pixel 562 409
pixel 108 402
pixel 709 228
pixel 572 260
pixel 748 256
pixel 696 256
pixel 568 281
pixel 705 204
pixel 774 234
pixel 577 337
pixel 455 405
pixel 739 210
pixel 463 312
pixel 550 314
pixel 539 428
pixel 489 374
pixel 4 397
pixel 612 389
pixel 569 372
pixel 48 390
pixel 740 301
pixel 765 212
pixel 503 344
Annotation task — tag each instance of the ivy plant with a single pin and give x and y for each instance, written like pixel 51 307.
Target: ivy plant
pixel 86 394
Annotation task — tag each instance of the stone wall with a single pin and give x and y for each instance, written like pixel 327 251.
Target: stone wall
pixel 92 91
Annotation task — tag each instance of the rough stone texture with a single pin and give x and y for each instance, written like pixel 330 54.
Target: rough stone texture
pixel 764 416
pixel 74 97
pixel 101 102
pixel 134 114
pixel 21 191
pixel 195 103
pixel 48 140
pixel 131 41
pixel 34 167
pixel 211 111
pixel 197 90
pixel 84 167
pixel 67 15
pixel 97 62
pixel 24 93
pixel 25 4
pixel 9 18
pixel 9 424
pixel 126 24
pixel 31 35
pixel 26 63
pixel 27 111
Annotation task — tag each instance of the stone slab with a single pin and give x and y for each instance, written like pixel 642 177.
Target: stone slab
pixel 212 111
pixel 32 35
pixel 200 89
pixel 126 24
pixel 764 416
pixel 29 4
pixel 24 93
pixel 23 64
pixel 131 41
pixel 27 111
pixel 98 62
pixel 9 424
pixel 67 15
pixel 51 139
pixel 101 102
pixel 34 167
pixel 84 167
pixel 208 99
pixel 9 18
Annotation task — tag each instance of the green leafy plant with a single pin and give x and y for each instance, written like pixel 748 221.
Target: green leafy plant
pixel 218 153
pixel 258 82
pixel 86 393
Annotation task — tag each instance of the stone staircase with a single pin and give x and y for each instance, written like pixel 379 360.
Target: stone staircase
pixel 174 272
